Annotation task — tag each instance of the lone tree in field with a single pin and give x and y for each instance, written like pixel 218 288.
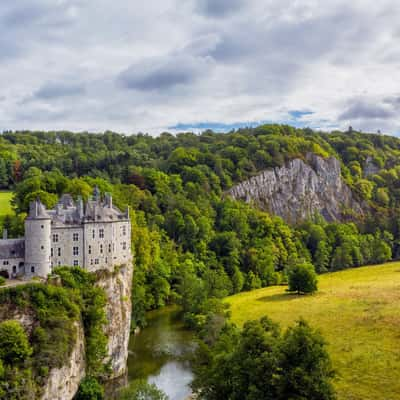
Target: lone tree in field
pixel 302 278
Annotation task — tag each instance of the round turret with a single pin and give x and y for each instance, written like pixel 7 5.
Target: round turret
pixel 37 241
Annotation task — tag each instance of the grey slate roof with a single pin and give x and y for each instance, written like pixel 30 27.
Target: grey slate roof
pixel 12 248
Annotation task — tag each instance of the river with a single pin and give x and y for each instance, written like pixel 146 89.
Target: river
pixel 159 353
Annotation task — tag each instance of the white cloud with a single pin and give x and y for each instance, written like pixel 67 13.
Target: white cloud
pixel 144 66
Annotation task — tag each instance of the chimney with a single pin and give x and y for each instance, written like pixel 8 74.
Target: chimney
pixel 5 234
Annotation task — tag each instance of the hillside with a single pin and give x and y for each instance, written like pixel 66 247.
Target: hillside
pixel 357 311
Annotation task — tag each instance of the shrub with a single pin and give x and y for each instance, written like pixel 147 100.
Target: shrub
pixel 14 344
pixel 89 389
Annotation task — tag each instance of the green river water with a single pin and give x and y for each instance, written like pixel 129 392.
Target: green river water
pixel 159 353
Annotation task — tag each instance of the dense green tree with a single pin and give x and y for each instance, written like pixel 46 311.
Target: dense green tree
pixel 302 278
pixel 307 370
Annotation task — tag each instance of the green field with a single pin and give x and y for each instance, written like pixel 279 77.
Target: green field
pixel 5 205
pixel 358 312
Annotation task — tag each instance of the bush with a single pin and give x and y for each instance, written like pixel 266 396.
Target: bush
pixel 303 279
pixel 2 281
pixel 14 345
pixel 90 389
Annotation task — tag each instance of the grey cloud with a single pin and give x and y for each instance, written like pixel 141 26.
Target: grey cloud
pixel 363 110
pixel 219 8
pixel 292 39
pixel 53 90
pixel 163 73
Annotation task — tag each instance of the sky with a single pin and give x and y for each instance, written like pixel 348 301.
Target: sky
pixel 150 66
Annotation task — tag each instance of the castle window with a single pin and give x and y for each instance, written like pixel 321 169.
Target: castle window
pixel 52 252
pixel 101 249
pixel 76 263
pixel 91 261
pixel 75 251
pixel 124 246
pixel 59 252
pixel 96 261
pixel 93 234
pixel 14 269
pixel 55 238
pixel 42 247
pixel 90 249
pixel 109 248
pixel 101 233
pixel 33 269
pixel 42 226
pixel 75 237
pixel 124 230
pixel 5 262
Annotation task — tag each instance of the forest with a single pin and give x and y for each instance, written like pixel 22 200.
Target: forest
pixel 194 245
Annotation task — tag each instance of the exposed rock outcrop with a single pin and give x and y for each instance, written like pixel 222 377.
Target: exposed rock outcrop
pixel 300 190
pixel 63 383
pixel 370 168
pixel 118 286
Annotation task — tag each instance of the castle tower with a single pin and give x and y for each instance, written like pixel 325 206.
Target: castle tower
pixel 37 241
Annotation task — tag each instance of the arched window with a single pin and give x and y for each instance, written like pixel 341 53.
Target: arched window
pixel 32 269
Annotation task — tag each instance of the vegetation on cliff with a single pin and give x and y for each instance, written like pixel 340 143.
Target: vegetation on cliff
pixel 45 336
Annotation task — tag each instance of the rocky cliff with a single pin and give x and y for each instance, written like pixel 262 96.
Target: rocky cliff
pixel 300 189
pixel 62 383
pixel 118 287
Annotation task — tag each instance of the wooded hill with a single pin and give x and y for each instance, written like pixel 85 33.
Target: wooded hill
pixel 193 243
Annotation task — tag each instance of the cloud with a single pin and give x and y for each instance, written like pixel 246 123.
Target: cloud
pixel 361 109
pixel 147 66
pixel 219 8
pixel 54 90
pixel 163 73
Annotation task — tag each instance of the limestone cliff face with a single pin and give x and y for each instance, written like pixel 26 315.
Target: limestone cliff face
pixel 118 287
pixel 63 383
pixel 300 189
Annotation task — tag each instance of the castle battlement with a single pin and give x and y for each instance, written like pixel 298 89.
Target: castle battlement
pixel 93 235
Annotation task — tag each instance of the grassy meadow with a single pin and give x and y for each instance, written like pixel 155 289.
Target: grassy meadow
pixel 358 312
pixel 5 205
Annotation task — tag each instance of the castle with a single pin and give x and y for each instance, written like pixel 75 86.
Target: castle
pixel 95 235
